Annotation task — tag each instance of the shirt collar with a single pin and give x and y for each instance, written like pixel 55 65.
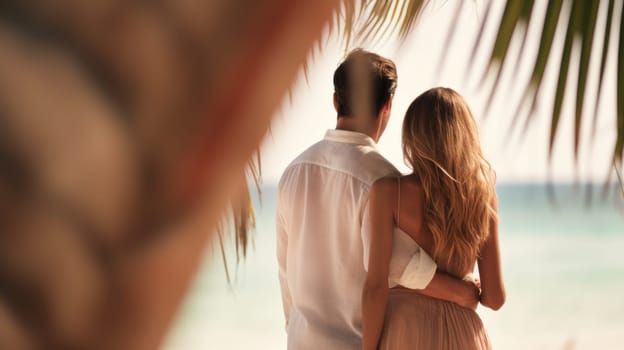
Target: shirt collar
pixel 349 137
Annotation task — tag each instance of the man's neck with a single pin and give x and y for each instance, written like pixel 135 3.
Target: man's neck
pixel 354 124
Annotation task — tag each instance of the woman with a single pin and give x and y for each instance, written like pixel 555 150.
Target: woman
pixel 447 206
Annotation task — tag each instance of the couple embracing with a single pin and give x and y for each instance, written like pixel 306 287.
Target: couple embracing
pixel 369 258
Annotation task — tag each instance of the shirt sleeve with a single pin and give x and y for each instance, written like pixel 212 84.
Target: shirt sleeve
pixel 282 250
pixel 366 237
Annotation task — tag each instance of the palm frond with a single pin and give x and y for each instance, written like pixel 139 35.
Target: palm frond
pixel 514 10
pixel 241 219
pixel 580 21
pixel 573 24
pixel 588 27
pixel 450 36
pixel 368 21
pixel 532 90
pixel 603 65
pixel 619 144
pixel 475 48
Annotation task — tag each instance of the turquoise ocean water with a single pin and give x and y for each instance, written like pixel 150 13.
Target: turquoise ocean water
pixel 563 262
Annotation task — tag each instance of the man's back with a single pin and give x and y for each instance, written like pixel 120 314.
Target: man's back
pixel 322 197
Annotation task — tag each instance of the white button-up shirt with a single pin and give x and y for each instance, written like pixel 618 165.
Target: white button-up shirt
pixel 322 198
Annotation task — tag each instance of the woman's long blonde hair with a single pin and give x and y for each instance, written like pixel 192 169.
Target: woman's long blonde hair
pixel 441 144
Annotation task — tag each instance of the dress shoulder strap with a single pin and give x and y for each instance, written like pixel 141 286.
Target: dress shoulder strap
pixel 399 201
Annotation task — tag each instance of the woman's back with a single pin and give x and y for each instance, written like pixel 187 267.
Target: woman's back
pixel 415 321
pixel 410 217
pixel 448 207
pixel 409 212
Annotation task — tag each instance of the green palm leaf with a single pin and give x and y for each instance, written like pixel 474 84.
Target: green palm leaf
pixel 589 26
pixel 532 90
pixel 573 24
pixel 512 14
pixel 603 61
pixel 366 19
pixel 580 19
pixel 619 145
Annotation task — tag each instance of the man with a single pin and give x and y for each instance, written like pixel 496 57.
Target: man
pixel 322 200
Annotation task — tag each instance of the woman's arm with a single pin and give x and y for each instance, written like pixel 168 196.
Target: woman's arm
pixel 375 292
pixel 490 272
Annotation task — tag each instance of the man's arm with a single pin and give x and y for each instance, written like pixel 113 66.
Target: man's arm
pixel 375 290
pixel 282 250
pixel 450 288
pixel 421 275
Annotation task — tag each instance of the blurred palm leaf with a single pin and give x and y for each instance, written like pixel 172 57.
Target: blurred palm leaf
pixel 240 219
pixel 583 22
pixel 361 21
pixel 125 128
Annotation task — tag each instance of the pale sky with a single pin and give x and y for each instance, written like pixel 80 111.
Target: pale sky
pixel 304 119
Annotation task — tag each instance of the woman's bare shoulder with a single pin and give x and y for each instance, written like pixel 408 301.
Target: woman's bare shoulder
pixel 384 187
pixel 386 181
pixel 411 183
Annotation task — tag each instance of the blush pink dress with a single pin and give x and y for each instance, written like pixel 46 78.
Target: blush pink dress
pixel 419 322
